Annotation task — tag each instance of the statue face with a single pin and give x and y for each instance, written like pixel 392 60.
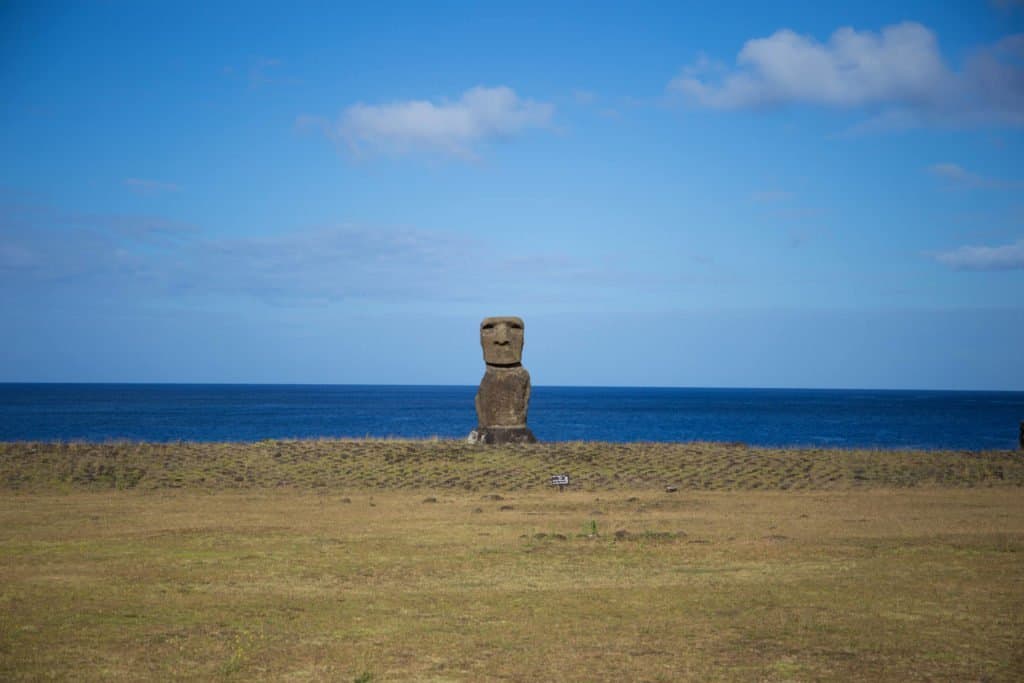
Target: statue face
pixel 502 340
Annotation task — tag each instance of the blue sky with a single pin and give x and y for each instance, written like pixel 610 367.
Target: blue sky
pixel 786 194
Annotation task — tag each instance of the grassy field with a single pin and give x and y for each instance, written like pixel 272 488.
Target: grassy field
pixel 434 561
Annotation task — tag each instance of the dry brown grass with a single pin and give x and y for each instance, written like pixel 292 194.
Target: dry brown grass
pixel 413 465
pixel 856 585
pixel 469 569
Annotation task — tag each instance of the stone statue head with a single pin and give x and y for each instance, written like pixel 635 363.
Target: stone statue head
pixel 502 340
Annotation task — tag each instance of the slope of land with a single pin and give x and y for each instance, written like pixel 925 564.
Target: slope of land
pixel 413 465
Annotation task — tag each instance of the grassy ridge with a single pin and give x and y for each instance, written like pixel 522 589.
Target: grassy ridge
pixel 416 465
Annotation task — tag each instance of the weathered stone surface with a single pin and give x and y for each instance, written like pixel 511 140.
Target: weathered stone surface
pixel 504 394
pixel 502 341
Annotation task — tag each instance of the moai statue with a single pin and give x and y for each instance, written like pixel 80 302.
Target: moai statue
pixel 504 393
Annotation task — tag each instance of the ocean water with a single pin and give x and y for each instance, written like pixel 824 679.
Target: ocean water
pixel 972 420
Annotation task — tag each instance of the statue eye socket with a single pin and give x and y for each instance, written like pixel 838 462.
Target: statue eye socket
pixel 515 326
pixel 488 328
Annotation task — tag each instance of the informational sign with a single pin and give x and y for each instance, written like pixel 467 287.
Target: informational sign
pixel 560 480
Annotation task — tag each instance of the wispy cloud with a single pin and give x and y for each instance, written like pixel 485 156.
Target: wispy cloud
pixel 148 257
pixel 798 238
pixel 958 175
pixel 260 71
pixel 584 97
pixel 44 247
pixel 21 216
pixel 770 196
pixel 448 127
pixel 802 224
pixel 1003 257
pixel 109 255
pixel 898 74
pixel 143 186
pixel 798 213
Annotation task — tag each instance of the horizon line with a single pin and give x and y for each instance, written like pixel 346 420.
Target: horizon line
pixel 535 386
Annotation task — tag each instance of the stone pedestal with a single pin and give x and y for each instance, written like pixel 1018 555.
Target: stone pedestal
pixel 499 435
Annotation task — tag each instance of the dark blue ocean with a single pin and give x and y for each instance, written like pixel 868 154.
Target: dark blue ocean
pixel 777 417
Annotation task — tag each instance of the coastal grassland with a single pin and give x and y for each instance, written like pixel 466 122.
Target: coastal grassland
pixel 875 584
pixel 393 465
pixel 399 560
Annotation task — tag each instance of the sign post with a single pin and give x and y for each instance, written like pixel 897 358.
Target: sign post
pixel 561 481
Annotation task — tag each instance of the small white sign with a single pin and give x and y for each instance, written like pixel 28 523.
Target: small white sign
pixel 560 480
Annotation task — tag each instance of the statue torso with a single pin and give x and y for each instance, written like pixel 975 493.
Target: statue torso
pixel 503 396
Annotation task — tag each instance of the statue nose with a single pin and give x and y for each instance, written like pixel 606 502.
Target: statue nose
pixel 502 336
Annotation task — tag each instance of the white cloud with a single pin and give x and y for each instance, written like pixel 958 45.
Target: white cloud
pixel 449 127
pixel 853 68
pixel 954 173
pixel 1004 257
pixel 899 72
